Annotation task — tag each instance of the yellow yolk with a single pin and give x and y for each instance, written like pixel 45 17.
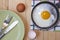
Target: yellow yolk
pixel 45 15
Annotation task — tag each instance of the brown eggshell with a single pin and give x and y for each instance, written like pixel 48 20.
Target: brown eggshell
pixel 20 7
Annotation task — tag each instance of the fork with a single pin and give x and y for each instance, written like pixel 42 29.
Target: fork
pixel 5 23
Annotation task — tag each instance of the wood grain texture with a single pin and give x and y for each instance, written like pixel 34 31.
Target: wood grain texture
pixel 28 16
pixel 46 35
pixel 51 35
pixel 57 35
pixel 28 10
pixel 3 4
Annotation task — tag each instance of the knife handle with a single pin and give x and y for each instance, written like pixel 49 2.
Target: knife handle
pixel 1 31
pixel 2 35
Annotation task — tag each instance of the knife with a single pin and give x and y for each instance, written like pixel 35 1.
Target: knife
pixel 9 28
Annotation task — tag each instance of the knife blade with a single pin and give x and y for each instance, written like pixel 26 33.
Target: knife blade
pixel 9 28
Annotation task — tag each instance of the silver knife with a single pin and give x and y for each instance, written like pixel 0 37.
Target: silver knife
pixel 9 28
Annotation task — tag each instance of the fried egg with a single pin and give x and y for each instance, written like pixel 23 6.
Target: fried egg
pixel 43 16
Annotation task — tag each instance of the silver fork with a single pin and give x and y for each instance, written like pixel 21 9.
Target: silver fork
pixel 5 23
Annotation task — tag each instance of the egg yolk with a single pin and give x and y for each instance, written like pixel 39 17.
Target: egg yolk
pixel 45 15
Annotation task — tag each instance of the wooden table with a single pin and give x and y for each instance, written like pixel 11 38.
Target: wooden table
pixel 26 17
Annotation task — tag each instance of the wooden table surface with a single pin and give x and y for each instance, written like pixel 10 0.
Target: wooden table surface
pixel 26 17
